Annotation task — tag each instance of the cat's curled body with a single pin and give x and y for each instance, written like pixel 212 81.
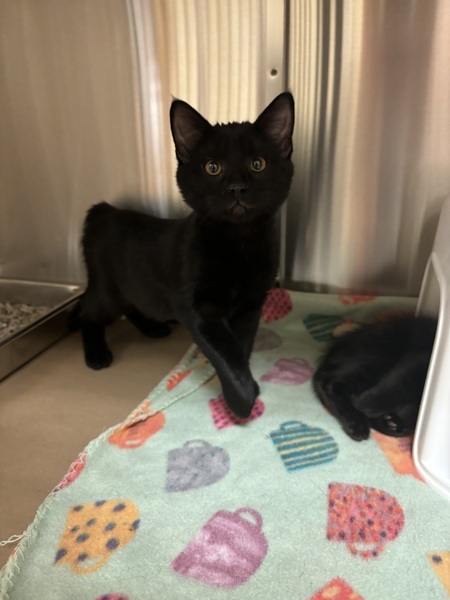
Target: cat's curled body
pixel 374 377
pixel 210 271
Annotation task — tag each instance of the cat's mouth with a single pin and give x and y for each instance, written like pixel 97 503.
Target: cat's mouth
pixel 238 209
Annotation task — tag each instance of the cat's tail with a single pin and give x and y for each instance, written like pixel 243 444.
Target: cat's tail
pixel 95 222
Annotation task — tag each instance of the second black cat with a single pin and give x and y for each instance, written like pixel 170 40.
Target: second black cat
pixel 210 271
pixel 374 376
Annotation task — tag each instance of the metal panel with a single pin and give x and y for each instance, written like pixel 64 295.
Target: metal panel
pixel 66 111
pixel 226 58
pixel 84 102
pixel 372 144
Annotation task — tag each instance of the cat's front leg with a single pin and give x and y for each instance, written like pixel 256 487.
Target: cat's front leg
pixel 244 326
pixel 220 345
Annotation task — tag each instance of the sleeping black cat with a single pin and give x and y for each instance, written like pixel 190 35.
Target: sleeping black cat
pixel 211 270
pixel 374 376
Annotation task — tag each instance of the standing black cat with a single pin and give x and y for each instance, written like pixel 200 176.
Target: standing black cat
pixel 212 270
pixel 374 376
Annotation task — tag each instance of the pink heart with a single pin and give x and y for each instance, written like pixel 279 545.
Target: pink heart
pixel 289 371
pixel 277 305
pixel 223 417
pixel 364 518
pixel 227 551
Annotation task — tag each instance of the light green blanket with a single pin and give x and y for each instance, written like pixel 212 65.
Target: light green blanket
pixel 182 501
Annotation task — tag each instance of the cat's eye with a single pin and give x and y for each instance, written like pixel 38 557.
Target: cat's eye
pixel 213 167
pixel 257 164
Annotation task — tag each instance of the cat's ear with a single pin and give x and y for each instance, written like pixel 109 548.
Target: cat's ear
pixel 277 122
pixel 188 128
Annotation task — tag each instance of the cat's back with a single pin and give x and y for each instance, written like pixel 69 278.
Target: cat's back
pixel 105 216
pixel 388 339
pixel 404 332
pixel 108 225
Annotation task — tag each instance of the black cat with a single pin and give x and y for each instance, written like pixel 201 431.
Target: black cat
pixel 210 271
pixel 374 376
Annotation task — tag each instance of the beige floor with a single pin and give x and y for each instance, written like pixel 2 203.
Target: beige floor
pixel 52 407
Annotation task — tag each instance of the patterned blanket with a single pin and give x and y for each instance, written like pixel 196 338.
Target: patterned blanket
pixel 185 501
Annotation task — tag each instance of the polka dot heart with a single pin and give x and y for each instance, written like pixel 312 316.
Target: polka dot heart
pixel 94 531
pixel 337 589
pixel 277 305
pixel 223 417
pixel 363 518
pixel 440 561
pixel 113 597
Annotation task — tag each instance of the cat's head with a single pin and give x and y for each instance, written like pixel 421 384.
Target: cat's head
pixel 238 171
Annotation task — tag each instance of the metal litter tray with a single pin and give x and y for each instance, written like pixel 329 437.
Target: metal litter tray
pixel 33 315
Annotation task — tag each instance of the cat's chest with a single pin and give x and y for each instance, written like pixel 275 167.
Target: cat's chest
pixel 239 264
pixel 234 278
pixel 231 267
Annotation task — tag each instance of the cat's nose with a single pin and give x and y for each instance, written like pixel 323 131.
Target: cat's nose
pixel 237 189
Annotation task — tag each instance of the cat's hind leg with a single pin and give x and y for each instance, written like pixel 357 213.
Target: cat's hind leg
pixel 96 352
pixel 148 327
pixel 73 319
pixel 94 315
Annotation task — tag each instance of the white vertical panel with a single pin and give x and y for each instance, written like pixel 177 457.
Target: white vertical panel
pixel 372 150
pixel 216 55
pixel 67 136
pixel 84 102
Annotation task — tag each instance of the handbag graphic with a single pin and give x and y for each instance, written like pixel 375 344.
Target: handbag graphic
pixel 195 465
pixel 301 446
pixel 365 519
pixel 223 417
pixel 227 551
pixel 289 371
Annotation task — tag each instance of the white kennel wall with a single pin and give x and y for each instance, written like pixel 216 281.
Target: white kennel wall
pixel 372 142
pixel 67 139
pixel 84 100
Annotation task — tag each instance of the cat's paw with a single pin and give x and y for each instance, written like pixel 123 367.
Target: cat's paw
pixel 241 399
pixel 357 429
pixel 390 425
pixel 98 359
pixel 241 407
